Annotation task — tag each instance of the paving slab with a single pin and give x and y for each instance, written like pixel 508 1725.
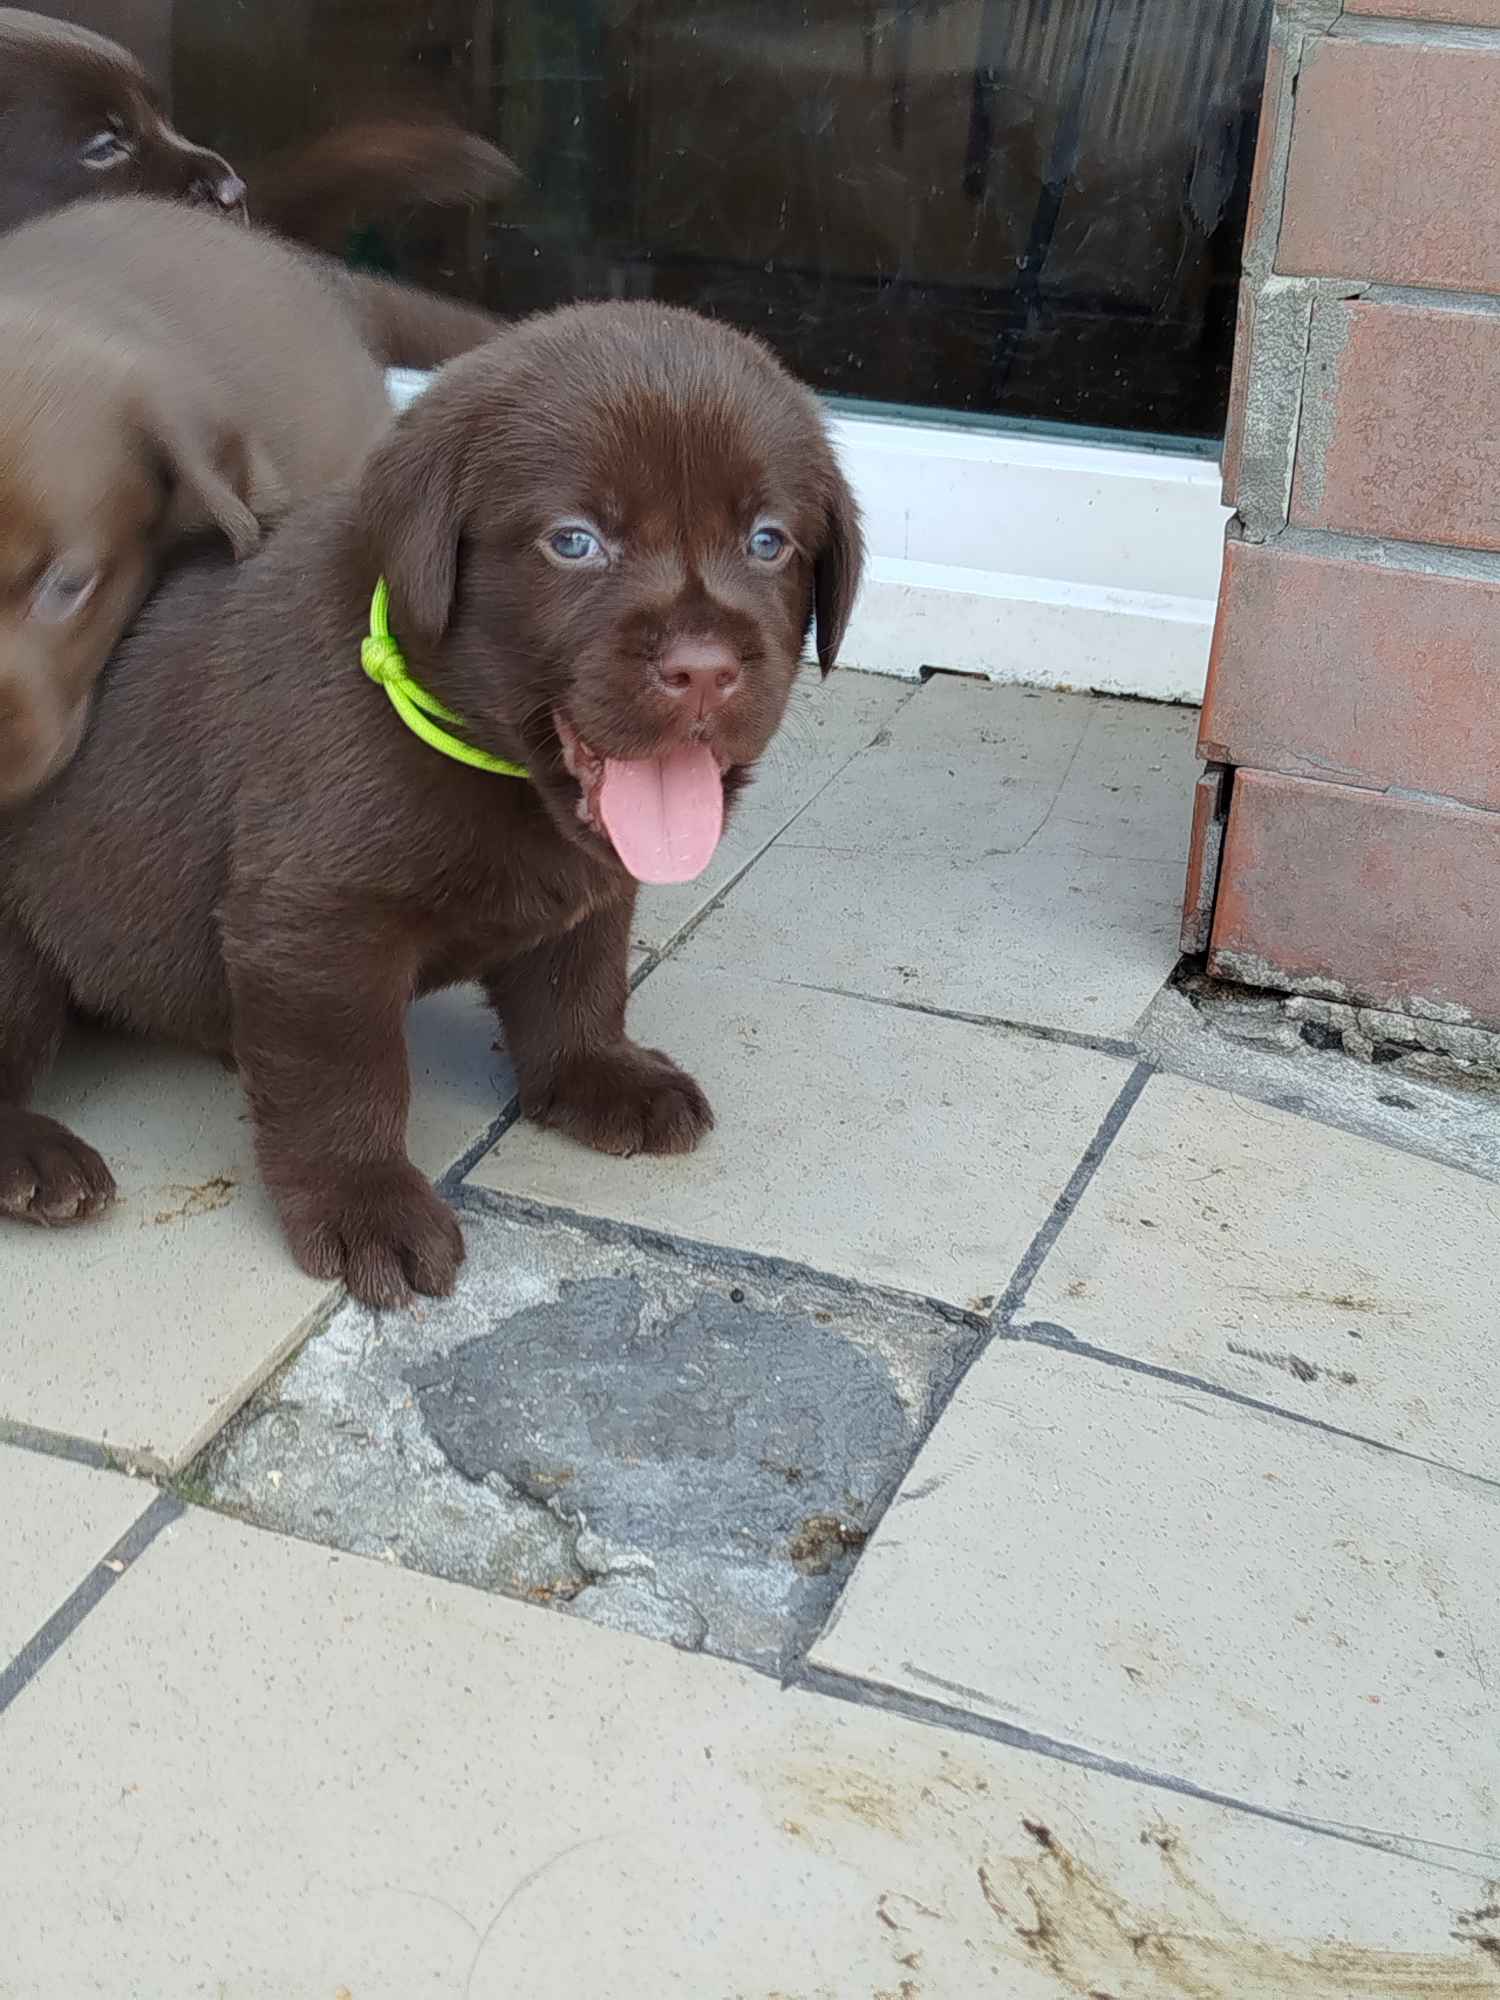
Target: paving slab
pixel 997 852
pixel 970 768
pixel 1199 1590
pixel 886 1146
pixel 259 1768
pixel 143 1331
pixel 668 1444
pixel 59 1520
pixel 1294 1263
pixel 827 723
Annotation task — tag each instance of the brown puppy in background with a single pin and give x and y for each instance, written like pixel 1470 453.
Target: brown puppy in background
pixel 79 118
pixel 159 373
pixel 606 536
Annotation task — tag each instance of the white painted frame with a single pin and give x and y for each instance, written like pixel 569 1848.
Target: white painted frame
pixel 1028 559
pixel 1034 559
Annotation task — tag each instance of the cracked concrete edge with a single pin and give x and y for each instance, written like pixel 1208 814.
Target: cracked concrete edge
pixel 682 1624
pixel 710 1257
pixel 1249 1043
pixel 1255 971
pixel 282 1466
pixel 601 1573
pixel 1382 1034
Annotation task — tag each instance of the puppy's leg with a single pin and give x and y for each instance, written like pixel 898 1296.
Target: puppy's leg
pixel 46 1175
pixel 323 1059
pixel 563 1010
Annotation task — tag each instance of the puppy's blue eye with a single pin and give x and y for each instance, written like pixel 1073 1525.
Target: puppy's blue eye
pixel 61 593
pixel 105 149
pixel 766 544
pixel 574 545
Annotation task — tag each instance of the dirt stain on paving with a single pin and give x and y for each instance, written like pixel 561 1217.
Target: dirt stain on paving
pixel 1100 1946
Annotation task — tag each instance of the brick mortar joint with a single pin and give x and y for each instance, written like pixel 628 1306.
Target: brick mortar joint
pixel 1404 31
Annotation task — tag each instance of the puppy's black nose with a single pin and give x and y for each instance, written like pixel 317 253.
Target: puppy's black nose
pixel 701 673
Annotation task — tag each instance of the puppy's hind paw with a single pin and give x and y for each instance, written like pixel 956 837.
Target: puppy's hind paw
pixel 47 1176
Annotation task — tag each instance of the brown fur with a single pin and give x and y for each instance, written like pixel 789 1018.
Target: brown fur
pixel 252 854
pixel 62 88
pixel 317 192
pixel 159 373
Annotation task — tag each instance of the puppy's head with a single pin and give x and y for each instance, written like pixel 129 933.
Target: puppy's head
pixel 100 470
pixel 78 118
pixel 607 536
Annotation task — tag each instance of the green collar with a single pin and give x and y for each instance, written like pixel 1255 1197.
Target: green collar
pixel 382 660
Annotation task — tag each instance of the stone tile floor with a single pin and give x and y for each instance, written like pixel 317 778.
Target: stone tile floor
pixel 1004 1519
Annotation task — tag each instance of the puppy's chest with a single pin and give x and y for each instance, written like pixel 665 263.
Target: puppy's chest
pixel 477 921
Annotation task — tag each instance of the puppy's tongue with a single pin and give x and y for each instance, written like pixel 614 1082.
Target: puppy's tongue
pixel 664 815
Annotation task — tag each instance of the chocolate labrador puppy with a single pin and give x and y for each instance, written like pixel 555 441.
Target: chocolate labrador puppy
pixel 605 538
pixel 158 372
pixel 79 118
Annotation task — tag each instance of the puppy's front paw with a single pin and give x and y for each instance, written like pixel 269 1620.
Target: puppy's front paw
pixel 627 1100
pixel 46 1175
pixel 384 1230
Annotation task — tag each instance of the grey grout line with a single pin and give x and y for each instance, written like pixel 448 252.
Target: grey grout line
pixel 1068 1038
pixel 942 1715
pixel 998 1326
pixel 1015 1292
pixel 449 1183
pixel 101 1579
pixel 60 1444
pixel 1045 1333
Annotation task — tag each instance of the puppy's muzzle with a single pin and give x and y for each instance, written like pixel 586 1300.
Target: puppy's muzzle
pixel 702 674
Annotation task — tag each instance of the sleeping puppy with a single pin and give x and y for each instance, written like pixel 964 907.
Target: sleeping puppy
pixel 159 373
pixel 605 538
pixel 79 118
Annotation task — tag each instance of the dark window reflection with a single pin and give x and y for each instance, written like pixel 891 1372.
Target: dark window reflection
pixel 1029 208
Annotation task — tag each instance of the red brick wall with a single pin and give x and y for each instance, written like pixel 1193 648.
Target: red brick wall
pixel 1352 722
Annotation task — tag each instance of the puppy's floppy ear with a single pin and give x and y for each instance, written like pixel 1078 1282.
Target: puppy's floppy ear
pixel 215 478
pixel 409 507
pixel 837 566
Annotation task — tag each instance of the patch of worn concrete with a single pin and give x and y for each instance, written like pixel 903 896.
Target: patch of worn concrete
pixel 669 1443
pixel 1288 1054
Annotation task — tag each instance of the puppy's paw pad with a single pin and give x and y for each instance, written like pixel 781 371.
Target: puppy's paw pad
pixel 629 1100
pixel 47 1176
pixel 387 1233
